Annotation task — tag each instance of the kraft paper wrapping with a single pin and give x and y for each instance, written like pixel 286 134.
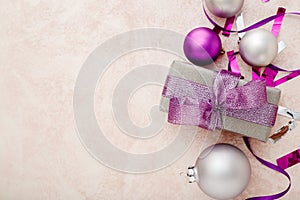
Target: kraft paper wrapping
pixel 205 76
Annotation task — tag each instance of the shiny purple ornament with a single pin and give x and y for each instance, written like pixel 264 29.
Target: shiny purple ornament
pixel 202 46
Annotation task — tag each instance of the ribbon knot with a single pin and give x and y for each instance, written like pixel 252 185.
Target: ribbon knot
pixel 192 103
pixel 217 108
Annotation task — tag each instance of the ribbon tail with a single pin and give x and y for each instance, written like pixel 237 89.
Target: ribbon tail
pixel 278 22
pixel 228 25
pixel 215 121
pixel 273 167
pixel 270 74
pixel 233 65
pixel 255 73
pixel 220 120
pixel 287 78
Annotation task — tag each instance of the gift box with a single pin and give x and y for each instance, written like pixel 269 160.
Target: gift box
pixel 201 97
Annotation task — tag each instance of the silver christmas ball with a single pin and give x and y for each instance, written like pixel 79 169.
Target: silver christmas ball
pixel 222 171
pixel 224 8
pixel 258 47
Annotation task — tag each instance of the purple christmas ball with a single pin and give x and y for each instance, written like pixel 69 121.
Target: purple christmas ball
pixel 202 46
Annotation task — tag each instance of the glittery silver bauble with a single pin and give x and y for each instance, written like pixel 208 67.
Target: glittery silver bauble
pixel 258 47
pixel 222 171
pixel 224 8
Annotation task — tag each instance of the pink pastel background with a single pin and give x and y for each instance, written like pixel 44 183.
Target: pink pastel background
pixel 43 46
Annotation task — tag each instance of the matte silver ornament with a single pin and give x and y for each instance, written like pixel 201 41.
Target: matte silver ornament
pixel 258 47
pixel 224 8
pixel 222 171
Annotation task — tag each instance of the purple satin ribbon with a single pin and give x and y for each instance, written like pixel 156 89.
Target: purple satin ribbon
pixel 278 22
pixel 228 25
pixel 289 160
pixel 256 73
pixel 195 104
pixel 233 65
pixel 270 74
pixel 273 167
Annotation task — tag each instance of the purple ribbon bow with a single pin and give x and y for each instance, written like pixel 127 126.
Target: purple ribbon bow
pixel 195 104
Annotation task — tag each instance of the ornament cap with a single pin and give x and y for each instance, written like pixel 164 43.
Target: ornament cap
pixel 191 173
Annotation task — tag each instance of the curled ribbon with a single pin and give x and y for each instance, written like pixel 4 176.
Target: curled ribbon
pixel 271 70
pixel 233 65
pixel 195 104
pixel 273 167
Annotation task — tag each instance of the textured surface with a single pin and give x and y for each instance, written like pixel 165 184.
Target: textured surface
pixel 43 46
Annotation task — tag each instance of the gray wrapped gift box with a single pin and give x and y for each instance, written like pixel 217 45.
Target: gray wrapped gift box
pixel 205 76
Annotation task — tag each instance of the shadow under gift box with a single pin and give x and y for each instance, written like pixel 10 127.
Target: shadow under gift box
pixel 205 77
